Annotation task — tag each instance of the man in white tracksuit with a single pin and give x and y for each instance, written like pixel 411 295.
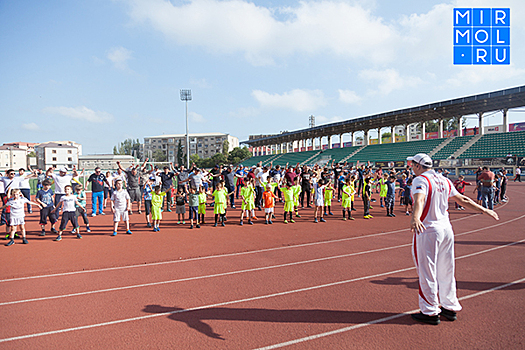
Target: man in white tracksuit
pixel 433 243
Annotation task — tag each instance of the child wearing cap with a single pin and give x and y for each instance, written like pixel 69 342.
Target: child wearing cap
pixel 44 197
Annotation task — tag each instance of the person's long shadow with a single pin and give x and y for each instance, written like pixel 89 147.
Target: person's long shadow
pixel 412 283
pixel 195 318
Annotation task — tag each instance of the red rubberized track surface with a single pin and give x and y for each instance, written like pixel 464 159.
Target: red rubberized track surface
pixel 334 285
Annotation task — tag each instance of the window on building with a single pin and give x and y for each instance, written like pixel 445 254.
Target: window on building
pixel 69 159
pixel 69 151
pixel 54 151
pixel 54 159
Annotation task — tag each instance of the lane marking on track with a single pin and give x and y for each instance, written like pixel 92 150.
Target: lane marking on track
pixel 261 297
pixel 256 269
pixel 380 320
pixel 223 255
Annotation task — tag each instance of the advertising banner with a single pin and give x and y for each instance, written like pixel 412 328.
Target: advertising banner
pixel 373 142
pixel 517 127
pixel 493 129
pixel 347 144
pixel 431 135
pixel 336 145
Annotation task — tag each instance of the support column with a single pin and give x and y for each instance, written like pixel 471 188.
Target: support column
pixel 352 138
pixel 407 132
pixel 340 140
pixel 460 126
pixel 440 134
pixel 330 142
pixel 379 141
pixel 481 128
pixel 423 130
pixel 365 138
pixel 505 120
pixel 393 134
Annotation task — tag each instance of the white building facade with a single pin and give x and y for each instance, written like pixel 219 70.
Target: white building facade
pixel 57 155
pixel 105 161
pixel 203 144
pixel 12 158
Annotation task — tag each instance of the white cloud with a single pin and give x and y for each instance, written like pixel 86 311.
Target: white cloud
pixel 201 83
pixel 469 75
pixel 297 99
pixel 245 112
pixel 319 119
pixel 30 126
pixel 231 26
pixel 120 57
pixel 80 113
pixel 388 80
pixel 196 118
pixel 349 96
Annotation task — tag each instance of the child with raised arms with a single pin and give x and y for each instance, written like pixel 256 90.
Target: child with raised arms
pixel 383 189
pixel 68 204
pixel 120 206
pixel 248 200
pixel 17 219
pixel 328 195
pixel 81 210
pixel 44 197
pixel 146 195
pixel 269 203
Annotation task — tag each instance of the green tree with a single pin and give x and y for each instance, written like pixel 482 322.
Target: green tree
pixel 225 147
pixel 159 156
pixel 128 147
pixel 238 154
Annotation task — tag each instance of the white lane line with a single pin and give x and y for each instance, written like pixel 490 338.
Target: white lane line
pixel 228 302
pixel 380 320
pixel 256 269
pixel 219 255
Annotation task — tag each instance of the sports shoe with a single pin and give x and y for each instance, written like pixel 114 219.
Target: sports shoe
pixel 184 222
pixel 54 230
pixel 254 218
pixel 241 223
pixel 351 218
pixel 169 210
pixel 74 231
pixel 421 317
pixel 223 224
pixel 370 216
pixel 250 222
pixel 344 219
pixel 330 213
pixel 158 228
pixel 285 221
pixel 11 242
pixel 93 214
pixel 366 217
pixel 191 226
pixel 270 222
pixel 43 233
pixel 79 236
pixel 407 213
pixel 382 206
pixel 59 238
pixel 354 209
pixel 88 229
pixel 322 220
pixel 266 222
pixel 215 225
pixel 389 215
pixel 198 226
pixel 370 207
pixel 292 221
pixel 448 314
pixel 393 215
pixel 148 225
pixel 297 215
pixel 114 233
pixel 315 220
pixel 102 213
pixel 24 241
pixel 178 222
pixel 129 232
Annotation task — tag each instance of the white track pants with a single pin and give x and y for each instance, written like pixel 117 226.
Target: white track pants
pixel 433 253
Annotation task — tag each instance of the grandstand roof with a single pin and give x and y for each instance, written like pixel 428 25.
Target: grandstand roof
pixel 487 102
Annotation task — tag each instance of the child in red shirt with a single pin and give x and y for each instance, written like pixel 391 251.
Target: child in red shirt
pixel 460 184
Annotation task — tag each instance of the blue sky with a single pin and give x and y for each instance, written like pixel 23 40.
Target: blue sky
pixel 100 71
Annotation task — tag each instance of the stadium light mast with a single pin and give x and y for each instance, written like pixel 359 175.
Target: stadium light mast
pixel 185 95
pixel 311 119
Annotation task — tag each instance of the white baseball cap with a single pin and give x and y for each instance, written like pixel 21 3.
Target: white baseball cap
pixel 422 159
pixel 63 169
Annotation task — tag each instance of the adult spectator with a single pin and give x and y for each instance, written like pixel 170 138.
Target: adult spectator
pixel 183 179
pixel 61 180
pixel 133 175
pixel 119 175
pixel 215 174
pixel 517 177
pixel 24 186
pixel 197 178
pixel 98 180
pixel 306 186
pixel 240 173
pixel 503 186
pixel 261 180
pixel 166 182
pixel 290 174
pixel 276 176
pixel 486 179
pixel 229 182
pixel 360 177
pixel 433 242
pixel 40 177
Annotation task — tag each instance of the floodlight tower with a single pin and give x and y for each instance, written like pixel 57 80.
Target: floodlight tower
pixel 311 119
pixel 185 95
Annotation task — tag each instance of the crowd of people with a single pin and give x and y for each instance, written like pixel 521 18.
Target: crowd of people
pixel 147 188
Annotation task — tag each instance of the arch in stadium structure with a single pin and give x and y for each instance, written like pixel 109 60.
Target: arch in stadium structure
pixel 501 100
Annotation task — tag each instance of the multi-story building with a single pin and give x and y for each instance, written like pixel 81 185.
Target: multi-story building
pixel 105 161
pixel 12 158
pixel 204 144
pixel 57 154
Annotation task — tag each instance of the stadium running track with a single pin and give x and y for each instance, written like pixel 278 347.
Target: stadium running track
pixel 334 285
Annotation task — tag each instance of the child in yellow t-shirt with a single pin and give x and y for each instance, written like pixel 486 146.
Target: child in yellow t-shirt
pixel 248 201
pixel 288 200
pixel 328 195
pixel 348 198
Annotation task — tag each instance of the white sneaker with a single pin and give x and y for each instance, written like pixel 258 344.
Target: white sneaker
pixel 93 214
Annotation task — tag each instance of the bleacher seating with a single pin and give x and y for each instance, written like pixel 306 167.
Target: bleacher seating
pixel 449 149
pixel 497 145
pixel 394 151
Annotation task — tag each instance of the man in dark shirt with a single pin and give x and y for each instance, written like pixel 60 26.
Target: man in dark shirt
pixel 166 178
pixel 216 176
pixel 229 182
pixel 133 175
pixel 486 179
pixel 182 179
pixel 306 186
pixel 97 180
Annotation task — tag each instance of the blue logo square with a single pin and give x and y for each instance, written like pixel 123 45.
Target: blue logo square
pixel 500 36
pixel 463 17
pixel 462 36
pixel 462 54
pixel 500 54
pixel 500 17
pixel 481 55
pixel 481 17
pixel 481 36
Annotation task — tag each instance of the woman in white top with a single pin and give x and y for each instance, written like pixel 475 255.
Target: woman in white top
pixel 17 214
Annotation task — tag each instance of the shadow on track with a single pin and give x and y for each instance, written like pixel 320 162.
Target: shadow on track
pixel 412 283
pixel 195 318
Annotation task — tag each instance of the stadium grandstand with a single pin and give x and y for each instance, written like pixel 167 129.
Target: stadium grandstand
pixel 458 151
